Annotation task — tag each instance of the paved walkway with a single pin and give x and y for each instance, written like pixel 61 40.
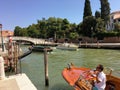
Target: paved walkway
pixel 100 45
pixel 17 82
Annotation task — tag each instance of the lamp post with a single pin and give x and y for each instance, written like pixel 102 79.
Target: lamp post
pixel 1 38
pixel 92 34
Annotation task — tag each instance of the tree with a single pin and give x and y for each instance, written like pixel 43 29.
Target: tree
pixel 88 26
pixel 17 31
pixel 87 9
pixel 105 10
pixel 51 28
pixel 97 14
pixel 73 35
pixel 99 28
pixel 32 31
pixel 117 27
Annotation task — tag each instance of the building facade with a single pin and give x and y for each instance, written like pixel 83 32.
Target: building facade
pixel 114 18
pixel 7 33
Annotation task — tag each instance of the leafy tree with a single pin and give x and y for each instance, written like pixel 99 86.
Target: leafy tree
pixel 73 35
pixel 32 31
pixel 97 14
pixel 117 27
pixel 20 31
pixel 105 10
pixel 42 28
pixel 79 28
pixel 50 28
pixel 87 9
pixel 24 32
pixel 17 31
pixel 88 26
pixel 99 25
pixel 66 27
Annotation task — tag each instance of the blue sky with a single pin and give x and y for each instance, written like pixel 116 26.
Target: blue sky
pixel 26 12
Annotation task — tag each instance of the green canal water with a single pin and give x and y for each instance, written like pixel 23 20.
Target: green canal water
pixel 33 65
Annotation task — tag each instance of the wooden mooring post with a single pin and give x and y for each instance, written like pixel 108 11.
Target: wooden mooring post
pixel 46 67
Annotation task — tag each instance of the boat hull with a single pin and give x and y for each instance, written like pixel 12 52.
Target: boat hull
pixel 67 46
pixel 40 48
pixel 112 82
pixel 72 75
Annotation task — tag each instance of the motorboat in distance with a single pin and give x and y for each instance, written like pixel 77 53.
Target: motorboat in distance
pixel 39 48
pixel 67 46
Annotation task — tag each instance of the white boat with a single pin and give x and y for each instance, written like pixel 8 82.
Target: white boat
pixel 67 46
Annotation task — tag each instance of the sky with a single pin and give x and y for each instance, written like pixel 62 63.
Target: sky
pixel 26 12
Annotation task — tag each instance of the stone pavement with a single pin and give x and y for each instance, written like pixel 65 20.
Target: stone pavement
pixel 17 82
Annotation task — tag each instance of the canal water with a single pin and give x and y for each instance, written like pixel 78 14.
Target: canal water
pixel 33 65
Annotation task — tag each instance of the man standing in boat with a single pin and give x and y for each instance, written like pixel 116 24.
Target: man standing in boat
pixel 100 82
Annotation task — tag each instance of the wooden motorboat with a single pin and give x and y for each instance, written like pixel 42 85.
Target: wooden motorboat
pixel 80 78
pixel 39 48
pixel 67 46
pixel 113 83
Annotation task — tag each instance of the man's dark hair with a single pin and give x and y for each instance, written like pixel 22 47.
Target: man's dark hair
pixel 101 67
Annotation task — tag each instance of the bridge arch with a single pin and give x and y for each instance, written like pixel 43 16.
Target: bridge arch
pixel 22 41
pixel 34 41
pixel 28 39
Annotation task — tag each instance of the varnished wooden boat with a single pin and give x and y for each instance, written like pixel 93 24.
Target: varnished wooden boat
pixel 80 79
pixel 113 82
pixel 38 48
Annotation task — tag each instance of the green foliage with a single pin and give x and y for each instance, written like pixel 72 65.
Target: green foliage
pixel 117 27
pixel 51 28
pixel 99 25
pixel 32 31
pixel 101 35
pixel 73 35
pixel 17 31
pixel 87 9
pixel 88 26
pixel 97 14
pixel 105 10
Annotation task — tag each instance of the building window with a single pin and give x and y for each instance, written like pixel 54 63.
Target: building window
pixel 119 20
pixel 114 21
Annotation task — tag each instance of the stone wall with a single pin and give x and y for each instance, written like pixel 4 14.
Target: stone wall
pixel 92 40
pixel 111 39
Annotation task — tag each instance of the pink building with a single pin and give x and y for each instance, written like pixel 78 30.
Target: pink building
pixel 6 33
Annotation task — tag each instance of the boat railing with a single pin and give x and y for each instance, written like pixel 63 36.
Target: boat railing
pixel 108 70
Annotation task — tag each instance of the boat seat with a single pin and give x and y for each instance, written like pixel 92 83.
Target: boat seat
pixel 109 86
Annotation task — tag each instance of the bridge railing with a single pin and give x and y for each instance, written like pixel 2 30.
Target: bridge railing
pixel 33 40
pixel 29 39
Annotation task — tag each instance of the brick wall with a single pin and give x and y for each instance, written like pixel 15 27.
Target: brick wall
pixel 90 40
pixel 111 39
